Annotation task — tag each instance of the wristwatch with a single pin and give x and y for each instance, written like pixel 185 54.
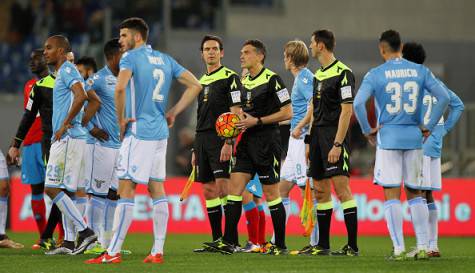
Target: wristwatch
pixel 337 144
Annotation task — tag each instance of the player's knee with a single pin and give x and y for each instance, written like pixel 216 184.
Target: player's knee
pixel 4 189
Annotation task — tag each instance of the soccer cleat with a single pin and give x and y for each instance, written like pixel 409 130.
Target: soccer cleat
pixel 276 251
pixel 62 250
pixel 9 243
pixel 204 249
pixel 305 250
pixel 434 253
pixel 319 251
pixel 45 244
pixel 85 239
pixel 95 249
pixel 154 259
pixel 250 248
pixel 265 247
pixel 105 258
pixel 421 255
pixel 397 257
pixel 221 246
pixel 346 250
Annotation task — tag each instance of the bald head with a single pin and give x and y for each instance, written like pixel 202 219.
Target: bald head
pixel 61 42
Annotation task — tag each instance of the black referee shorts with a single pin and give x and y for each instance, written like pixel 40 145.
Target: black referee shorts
pixel 322 139
pixel 259 151
pixel 207 152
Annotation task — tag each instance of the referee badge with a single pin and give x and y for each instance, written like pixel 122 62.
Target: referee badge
pixel 248 97
pixel 206 91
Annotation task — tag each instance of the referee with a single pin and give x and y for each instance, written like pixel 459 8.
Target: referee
pixel 221 93
pixel 333 94
pixel 266 102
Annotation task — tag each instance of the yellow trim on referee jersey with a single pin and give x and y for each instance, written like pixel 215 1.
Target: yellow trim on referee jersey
pixel 274 202
pixel 222 74
pixel 348 204
pixel 224 201
pixel 333 71
pixel 234 198
pixel 325 206
pixel 47 81
pixel 263 78
pixel 213 202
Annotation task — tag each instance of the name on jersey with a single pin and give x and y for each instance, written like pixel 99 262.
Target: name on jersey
pixel 400 73
pixel 155 60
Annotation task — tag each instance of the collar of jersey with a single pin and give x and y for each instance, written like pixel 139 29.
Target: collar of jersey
pixel 330 66
pixel 258 74
pixel 216 71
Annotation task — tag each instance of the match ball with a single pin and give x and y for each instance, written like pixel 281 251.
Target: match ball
pixel 226 125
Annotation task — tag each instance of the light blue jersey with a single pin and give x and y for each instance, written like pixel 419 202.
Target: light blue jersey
pixel 68 75
pixel 397 86
pixel 301 95
pixel 103 83
pixel 433 145
pixel 147 94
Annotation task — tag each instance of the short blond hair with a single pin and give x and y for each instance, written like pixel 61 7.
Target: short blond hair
pixel 297 52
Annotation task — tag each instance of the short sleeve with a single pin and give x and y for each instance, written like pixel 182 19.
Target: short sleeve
pixel 307 88
pixel 347 87
pixel 277 86
pixel 177 69
pixel 234 87
pixel 70 75
pixel 126 62
pixel 92 83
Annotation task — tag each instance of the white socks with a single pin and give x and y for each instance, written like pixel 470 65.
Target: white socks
pixel 68 209
pixel 160 221
pixel 420 220
pixel 109 211
pixel 433 227
pixel 3 214
pixel 393 215
pixel 95 215
pixel 122 220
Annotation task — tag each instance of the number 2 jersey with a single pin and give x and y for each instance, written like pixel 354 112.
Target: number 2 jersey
pixel 147 92
pixel 397 87
pixel 433 145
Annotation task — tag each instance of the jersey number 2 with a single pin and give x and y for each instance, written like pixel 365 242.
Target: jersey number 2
pixel 160 77
pixel 396 91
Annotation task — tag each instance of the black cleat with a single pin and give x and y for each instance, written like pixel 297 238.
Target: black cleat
pixel 319 251
pixel 221 246
pixel 86 238
pixel 346 250
pixel 276 251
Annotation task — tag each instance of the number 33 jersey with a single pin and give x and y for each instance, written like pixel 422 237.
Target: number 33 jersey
pixel 147 91
pixel 398 88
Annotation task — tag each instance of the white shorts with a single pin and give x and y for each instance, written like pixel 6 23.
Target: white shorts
pixel 3 167
pixel 142 160
pixel 294 168
pixel 100 169
pixel 431 173
pixel 65 168
pixel 394 167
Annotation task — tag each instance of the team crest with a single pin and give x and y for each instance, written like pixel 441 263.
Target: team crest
pixel 99 183
pixel 248 98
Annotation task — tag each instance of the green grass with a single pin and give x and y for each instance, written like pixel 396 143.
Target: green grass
pixel 458 256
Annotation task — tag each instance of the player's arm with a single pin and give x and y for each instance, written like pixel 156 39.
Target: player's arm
pixel 456 108
pixel 347 86
pixel 119 96
pixel 304 121
pixel 234 100
pixel 29 116
pixel 193 88
pixel 79 97
pixel 93 105
pixel 440 93
pixel 359 105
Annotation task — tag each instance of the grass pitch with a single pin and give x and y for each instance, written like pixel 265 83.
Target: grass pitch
pixel 458 255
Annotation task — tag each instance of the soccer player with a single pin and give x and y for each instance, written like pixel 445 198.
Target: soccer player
pixel 397 86
pixel 5 242
pixel 102 153
pixel 255 216
pixel 147 75
pixel 295 165
pixel 333 94
pixel 40 102
pixel 432 147
pixel 211 155
pixel 86 66
pixel 65 165
pixel 266 101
